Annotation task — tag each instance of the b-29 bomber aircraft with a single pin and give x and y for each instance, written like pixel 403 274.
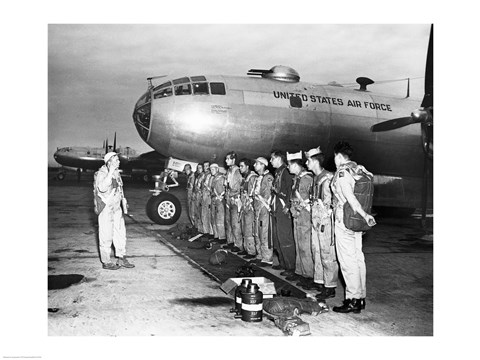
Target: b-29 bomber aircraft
pixel 91 158
pixel 197 118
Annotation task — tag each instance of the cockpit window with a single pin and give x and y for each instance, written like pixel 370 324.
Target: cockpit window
pixel 163 93
pixel 198 78
pixel 181 81
pixel 217 88
pixel 143 100
pixel 200 88
pixel 185 89
pixel 165 84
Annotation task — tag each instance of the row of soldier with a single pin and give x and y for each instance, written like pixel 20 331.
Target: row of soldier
pixel 295 213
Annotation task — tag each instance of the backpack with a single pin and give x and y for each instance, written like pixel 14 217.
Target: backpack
pixel 98 203
pixel 363 191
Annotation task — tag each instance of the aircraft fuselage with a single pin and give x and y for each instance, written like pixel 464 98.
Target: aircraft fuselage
pixel 254 116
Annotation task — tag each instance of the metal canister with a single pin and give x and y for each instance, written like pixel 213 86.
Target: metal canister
pixel 238 294
pixel 252 304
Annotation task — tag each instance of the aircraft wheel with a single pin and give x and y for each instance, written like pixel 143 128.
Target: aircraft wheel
pixel 61 176
pixel 164 209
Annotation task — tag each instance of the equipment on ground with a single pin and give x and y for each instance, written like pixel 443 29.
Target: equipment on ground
pixel 293 326
pixel 252 300
pixel 285 311
pixel 219 257
pixel 286 306
pixel 238 294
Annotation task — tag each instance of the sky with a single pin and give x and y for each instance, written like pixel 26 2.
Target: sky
pixel 97 72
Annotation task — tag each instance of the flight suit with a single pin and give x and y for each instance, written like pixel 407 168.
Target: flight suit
pixel 302 224
pixel 348 242
pixel 197 192
pixel 261 205
pixel 111 224
pixel 233 206
pixel 323 242
pixel 248 213
pixel 206 204
pixel 282 227
pixel 218 206
pixel 190 197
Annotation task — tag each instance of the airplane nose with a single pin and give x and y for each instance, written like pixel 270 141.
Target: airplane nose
pixel 141 115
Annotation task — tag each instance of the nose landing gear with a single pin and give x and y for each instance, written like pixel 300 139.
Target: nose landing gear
pixel 164 208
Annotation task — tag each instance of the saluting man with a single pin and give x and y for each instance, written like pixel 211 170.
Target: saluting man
pixel 248 214
pixel 233 204
pixel 282 226
pixel 261 205
pixel 111 224
pixel 218 203
pixel 300 209
pixel 207 201
pixel 348 242
pixel 325 262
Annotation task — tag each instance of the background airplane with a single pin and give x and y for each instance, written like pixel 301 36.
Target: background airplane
pixel 91 158
pixel 202 117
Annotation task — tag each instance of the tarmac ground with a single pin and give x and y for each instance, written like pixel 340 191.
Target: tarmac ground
pixel 173 290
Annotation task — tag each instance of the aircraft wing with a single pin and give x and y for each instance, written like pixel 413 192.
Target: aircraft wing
pixel 147 161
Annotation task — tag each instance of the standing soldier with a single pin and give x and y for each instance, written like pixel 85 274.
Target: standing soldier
pixel 233 204
pixel 263 193
pixel 207 201
pixel 282 227
pixel 348 242
pixel 190 185
pixel 323 242
pixel 300 209
pixel 109 201
pixel 197 196
pixel 248 214
pixel 218 203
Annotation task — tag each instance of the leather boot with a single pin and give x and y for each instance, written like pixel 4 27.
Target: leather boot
pixel 292 277
pixel 349 305
pixel 326 293
pixel 302 280
pixel 309 285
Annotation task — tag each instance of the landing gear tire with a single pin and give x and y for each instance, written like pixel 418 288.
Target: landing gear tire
pixel 164 209
pixel 60 176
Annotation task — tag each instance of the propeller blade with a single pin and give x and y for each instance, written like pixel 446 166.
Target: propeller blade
pixel 428 97
pixel 426 176
pixel 392 124
pixel 115 142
